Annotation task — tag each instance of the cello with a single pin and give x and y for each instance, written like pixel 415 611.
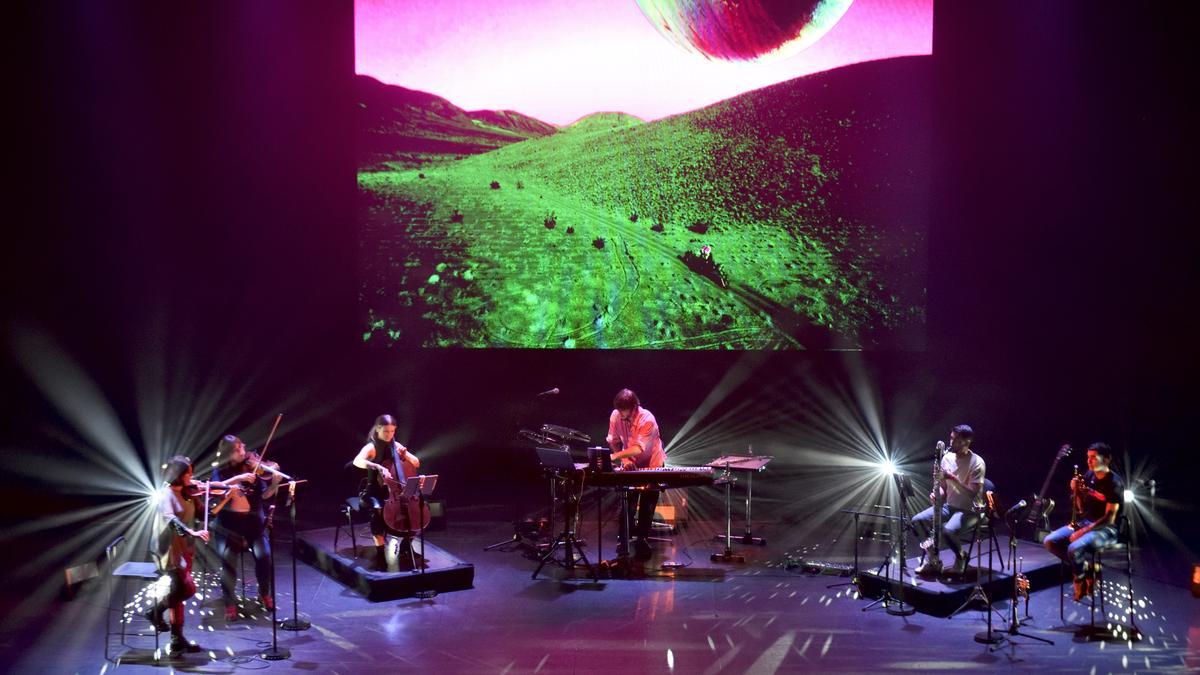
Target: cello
pixel 401 513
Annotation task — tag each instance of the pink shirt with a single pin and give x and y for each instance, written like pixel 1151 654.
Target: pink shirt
pixel 641 432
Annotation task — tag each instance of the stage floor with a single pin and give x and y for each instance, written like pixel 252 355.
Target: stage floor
pixel 761 616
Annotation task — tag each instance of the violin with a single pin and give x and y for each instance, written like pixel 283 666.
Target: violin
pixel 197 489
pixel 255 463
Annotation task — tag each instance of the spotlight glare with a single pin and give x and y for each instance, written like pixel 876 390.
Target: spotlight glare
pixel 1129 495
pixel 888 467
pixel 155 497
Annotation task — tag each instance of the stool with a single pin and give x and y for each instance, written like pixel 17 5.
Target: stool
pixel 987 532
pixel 146 571
pixel 985 525
pixel 1121 545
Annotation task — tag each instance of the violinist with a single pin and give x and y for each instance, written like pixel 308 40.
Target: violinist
pixel 383 458
pixel 176 550
pixel 241 519
pixel 1097 496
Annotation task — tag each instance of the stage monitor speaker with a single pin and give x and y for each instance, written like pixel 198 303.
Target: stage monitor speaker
pixel 437 515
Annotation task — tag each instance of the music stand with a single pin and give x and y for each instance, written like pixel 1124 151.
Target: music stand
pixel 854 571
pixel 559 460
pixel 905 490
pixel 295 623
pixel 420 487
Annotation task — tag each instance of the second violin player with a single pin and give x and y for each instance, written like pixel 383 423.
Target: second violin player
pixel 241 520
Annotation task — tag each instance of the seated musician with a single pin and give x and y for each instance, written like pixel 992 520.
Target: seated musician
pixel 383 458
pixel 634 439
pixel 241 521
pixel 961 489
pixel 1100 494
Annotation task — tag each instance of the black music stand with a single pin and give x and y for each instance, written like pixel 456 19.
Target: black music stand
pixel 559 460
pixel 295 623
pixel 274 652
pixel 896 605
pixel 854 581
pixel 420 487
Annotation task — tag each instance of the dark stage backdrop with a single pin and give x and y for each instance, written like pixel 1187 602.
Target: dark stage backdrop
pixel 182 257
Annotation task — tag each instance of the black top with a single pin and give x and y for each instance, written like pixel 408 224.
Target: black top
pixel 384 452
pixel 254 491
pixel 1111 487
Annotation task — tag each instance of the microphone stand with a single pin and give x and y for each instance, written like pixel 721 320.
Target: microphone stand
pixel 1014 623
pixel 295 623
pixel 274 652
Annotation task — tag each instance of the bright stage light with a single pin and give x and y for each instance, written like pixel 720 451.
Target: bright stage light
pixel 888 467
pixel 155 497
pixel 1130 497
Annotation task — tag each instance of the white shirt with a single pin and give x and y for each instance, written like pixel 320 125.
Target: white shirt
pixel 970 474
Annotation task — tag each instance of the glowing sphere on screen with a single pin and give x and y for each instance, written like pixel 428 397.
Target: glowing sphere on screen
pixel 744 30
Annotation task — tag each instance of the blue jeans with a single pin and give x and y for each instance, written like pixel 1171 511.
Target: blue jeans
pixel 957 526
pixel 1077 552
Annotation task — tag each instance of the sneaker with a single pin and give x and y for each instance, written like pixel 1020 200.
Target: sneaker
pixel 931 567
pixel 155 617
pixel 181 646
pixel 268 603
pixel 231 613
pixel 960 566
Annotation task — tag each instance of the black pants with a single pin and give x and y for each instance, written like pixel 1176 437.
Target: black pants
pixel 242 531
pixel 642 510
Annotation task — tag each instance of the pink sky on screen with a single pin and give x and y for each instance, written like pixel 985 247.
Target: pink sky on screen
pixel 558 60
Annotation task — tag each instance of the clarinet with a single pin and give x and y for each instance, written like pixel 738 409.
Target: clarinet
pixel 931 544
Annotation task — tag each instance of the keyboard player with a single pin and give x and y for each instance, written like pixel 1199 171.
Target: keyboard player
pixel 634 439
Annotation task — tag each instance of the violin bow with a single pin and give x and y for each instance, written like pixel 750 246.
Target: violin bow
pixel 207 492
pixel 262 457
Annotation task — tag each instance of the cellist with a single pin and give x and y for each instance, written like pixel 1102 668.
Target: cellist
pixel 384 458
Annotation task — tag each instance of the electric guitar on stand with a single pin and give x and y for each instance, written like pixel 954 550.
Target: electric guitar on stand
pixel 1040 505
